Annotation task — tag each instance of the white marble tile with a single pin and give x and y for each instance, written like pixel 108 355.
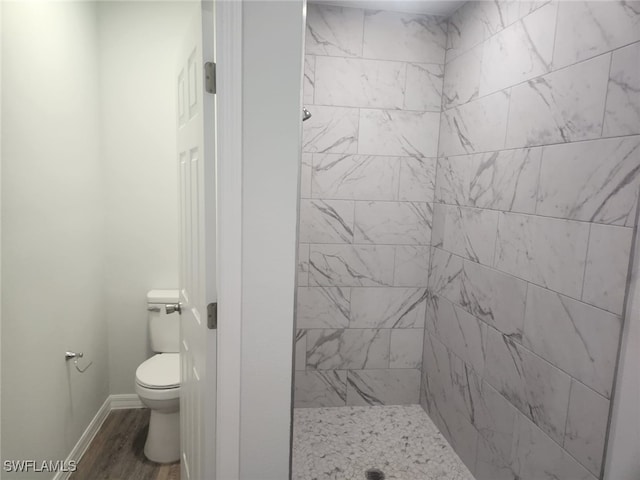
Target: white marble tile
pixel 605 278
pixel 453 179
pixel 309 80
pixel 545 251
pixel 564 106
pixel 303 264
pixel 622 112
pixel 445 274
pixel 537 388
pixel 306 169
pixel 586 429
pixel 576 337
pixel 406 348
pixel 417 179
pixel 411 267
pixel 323 307
pixel 326 221
pixel 346 265
pixel 301 350
pixel 586 29
pixel 320 389
pixel 334 30
pixel 494 297
pixel 506 180
pixel 375 307
pixel 423 88
pixel 438 224
pixel 477 126
pixel 404 37
pixel 462 78
pixel 383 387
pixel 520 52
pixel 358 177
pixel 403 133
pixel 331 130
pixel 469 232
pixel 398 223
pixel 527 7
pixel 401 440
pixel 347 349
pixel 595 181
pixel 538 457
pixel 459 331
pixel 356 82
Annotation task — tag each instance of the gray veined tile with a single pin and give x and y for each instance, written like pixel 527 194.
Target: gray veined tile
pixel 375 307
pixel 331 130
pixel 358 177
pixel 301 350
pixel 580 339
pixel 306 168
pixel 453 179
pixel 411 268
pixel 520 52
pixel 323 307
pixel 309 79
pixel 622 113
pixel 563 106
pixel 477 126
pixel 546 251
pixel 586 29
pixel 462 78
pixel 351 265
pixel 326 221
pixel 445 274
pixel 401 133
pixel 506 180
pixel 605 277
pixel 320 389
pixel 417 179
pixel 423 88
pixel 404 37
pixel 303 264
pixel 406 348
pixel 538 389
pixel 587 421
pixel 356 82
pixel 393 223
pixel 596 181
pixel 538 457
pixel 383 387
pixel 334 30
pixel 347 349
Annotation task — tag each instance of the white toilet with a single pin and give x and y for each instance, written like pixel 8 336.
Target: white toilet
pixel 158 379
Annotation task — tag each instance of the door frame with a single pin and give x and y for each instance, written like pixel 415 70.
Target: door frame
pixel 228 51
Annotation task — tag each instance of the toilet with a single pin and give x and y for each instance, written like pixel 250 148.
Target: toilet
pixel 158 379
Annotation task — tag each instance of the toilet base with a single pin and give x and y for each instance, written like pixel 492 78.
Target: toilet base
pixel 163 438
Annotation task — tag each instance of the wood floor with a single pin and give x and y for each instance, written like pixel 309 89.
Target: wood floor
pixel 116 453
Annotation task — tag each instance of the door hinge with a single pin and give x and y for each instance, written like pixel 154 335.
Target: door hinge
pixel 212 316
pixel 210 77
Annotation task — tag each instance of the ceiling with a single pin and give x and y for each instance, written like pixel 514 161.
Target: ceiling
pixel 431 7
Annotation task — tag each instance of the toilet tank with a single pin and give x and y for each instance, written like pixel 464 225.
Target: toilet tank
pixel 164 329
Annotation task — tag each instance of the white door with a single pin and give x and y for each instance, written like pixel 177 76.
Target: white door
pixel 196 163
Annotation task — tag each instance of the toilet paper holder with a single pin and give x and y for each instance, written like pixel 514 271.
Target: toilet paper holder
pixel 75 356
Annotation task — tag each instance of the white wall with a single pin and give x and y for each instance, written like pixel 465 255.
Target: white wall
pixel 623 461
pixel 139 42
pixel 272 78
pixel 52 230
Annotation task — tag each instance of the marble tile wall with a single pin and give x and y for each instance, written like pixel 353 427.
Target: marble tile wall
pixel 537 183
pixel 373 84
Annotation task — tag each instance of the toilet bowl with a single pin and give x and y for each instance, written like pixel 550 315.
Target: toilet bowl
pixel 158 379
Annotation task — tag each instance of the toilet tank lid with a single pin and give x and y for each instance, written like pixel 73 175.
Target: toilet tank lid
pixel 163 296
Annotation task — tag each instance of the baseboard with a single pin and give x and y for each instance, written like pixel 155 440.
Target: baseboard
pixel 125 400
pixel 112 402
pixel 85 440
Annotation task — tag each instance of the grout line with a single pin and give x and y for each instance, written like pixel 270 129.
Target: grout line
pixel 606 96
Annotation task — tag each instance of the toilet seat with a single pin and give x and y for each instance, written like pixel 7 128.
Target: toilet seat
pixel 160 372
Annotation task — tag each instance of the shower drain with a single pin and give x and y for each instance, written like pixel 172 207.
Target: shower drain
pixel 374 474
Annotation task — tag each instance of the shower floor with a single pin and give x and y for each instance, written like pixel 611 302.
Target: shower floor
pixel 341 443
